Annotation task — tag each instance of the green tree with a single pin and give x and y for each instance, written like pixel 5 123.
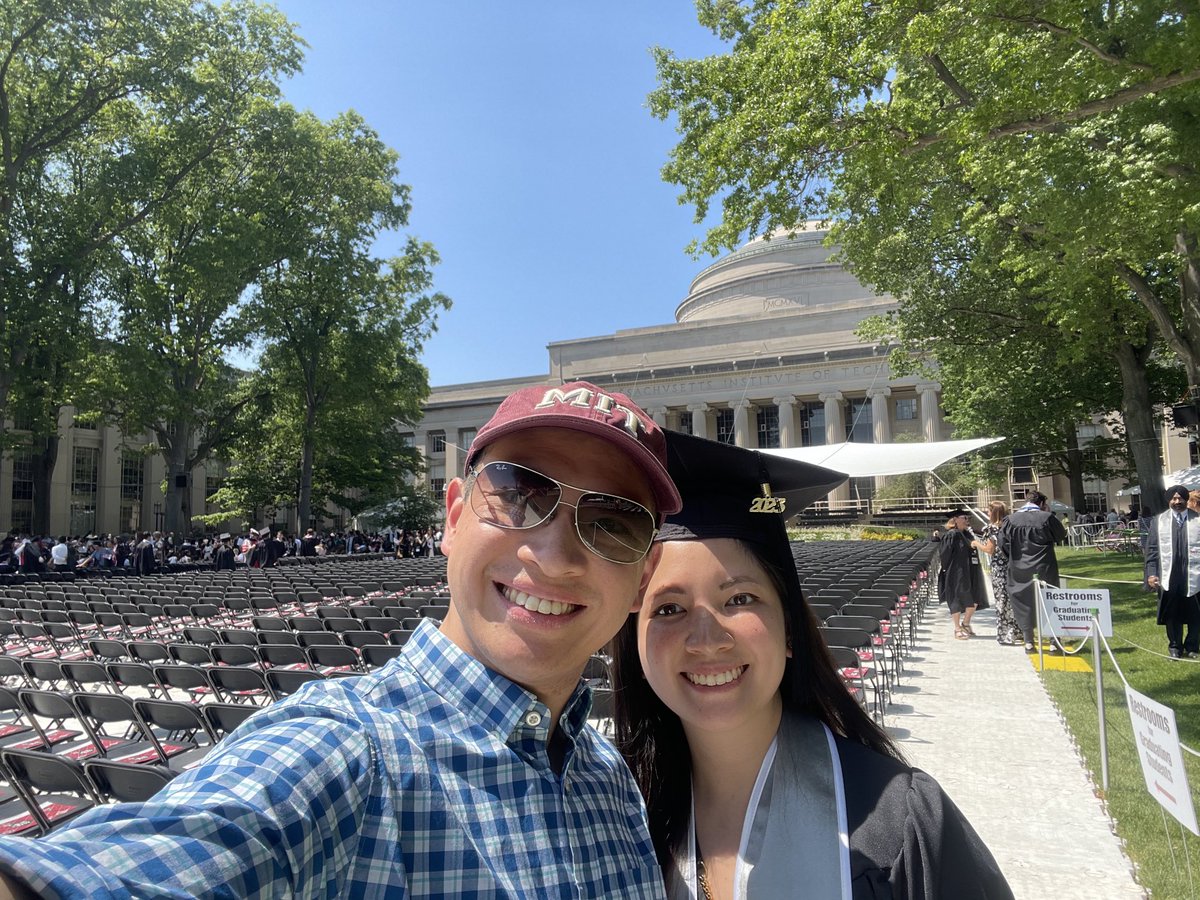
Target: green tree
pixel 341 324
pixel 105 108
pixel 1061 136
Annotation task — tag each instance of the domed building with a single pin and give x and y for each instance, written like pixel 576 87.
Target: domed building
pixel 762 353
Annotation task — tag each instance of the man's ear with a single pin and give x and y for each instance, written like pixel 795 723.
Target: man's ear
pixel 652 559
pixel 455 500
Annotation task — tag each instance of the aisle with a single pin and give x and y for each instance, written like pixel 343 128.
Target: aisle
pixel 975 716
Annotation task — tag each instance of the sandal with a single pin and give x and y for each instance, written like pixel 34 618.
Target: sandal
pixel 969 630
pixel 962 635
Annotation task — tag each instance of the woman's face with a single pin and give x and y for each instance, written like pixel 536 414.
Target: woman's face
pixel 711 637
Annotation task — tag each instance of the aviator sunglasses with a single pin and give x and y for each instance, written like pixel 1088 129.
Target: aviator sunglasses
pixel 510 496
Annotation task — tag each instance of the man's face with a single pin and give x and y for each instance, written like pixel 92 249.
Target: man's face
pixel 1178 502
pixel 496 574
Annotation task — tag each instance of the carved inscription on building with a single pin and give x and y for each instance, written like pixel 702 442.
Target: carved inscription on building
pixel 749 381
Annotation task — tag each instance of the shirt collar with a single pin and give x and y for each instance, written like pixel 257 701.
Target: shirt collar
pixel 485 696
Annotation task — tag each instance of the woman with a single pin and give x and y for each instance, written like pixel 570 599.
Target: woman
pixel 762 776
pixel 1007 631
pixel 960 584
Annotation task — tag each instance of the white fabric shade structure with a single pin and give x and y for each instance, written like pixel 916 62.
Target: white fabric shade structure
pixel 866 460
pixel 1189 477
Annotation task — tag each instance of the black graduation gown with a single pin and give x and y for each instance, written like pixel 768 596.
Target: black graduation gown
pixel 908 841
pixel 1028 538
pixel 223 558
pixel 960 583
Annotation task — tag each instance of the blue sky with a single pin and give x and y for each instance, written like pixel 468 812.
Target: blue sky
pixel 533 160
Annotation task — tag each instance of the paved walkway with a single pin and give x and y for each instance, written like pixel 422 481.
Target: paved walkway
pixel 974 715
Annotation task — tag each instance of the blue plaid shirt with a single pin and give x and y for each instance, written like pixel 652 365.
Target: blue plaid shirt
pixel 430 778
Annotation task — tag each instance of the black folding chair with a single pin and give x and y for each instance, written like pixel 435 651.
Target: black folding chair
pixel 126 782
pixel 238 684
pixel 223 718
pixel 54 789
pixel 283 682
pixel 180 730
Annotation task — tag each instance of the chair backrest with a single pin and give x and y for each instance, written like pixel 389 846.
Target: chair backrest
pixel 334 657
pixel 278 638
pixel 823 610
pixel 845 637
pixel 319 639
pixel 243 636
pixel 306 624
pixel 360 639
pixel 126 782
pixel 191 654
pixel 273 655
pixel 869 624
pixel 53 788
pixel 87 672
pixel 235 655
pixel 375 655
pixel 238 684
pixel 287 681
pixel 132 675
pixel 148 651
pixel 223 718
pixel 340 626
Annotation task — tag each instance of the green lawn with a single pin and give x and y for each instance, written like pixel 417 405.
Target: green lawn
pixel 1174 683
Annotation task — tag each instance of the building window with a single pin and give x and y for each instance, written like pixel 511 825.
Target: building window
pixel 437 481
pixel 85 473
pixel 1193 452
pixel 212 484
pixel 685 422
pixel 84 424
pixel 437 442
pixel 725 432
pixel 22 490
pixel 906 409
pixel 858 421
pixel 133 476
pixel 23 421
pixel 768 426
pixel 407 440
pixel 862 488
pixel 466 437
pixel 812 424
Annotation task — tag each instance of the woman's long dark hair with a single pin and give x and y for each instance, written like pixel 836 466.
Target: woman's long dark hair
pixel 651 738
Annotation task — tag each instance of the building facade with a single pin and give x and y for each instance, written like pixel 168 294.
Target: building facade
pixel 762 353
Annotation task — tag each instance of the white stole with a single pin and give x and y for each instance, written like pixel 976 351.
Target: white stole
pixel 795 839
pixel 1166 550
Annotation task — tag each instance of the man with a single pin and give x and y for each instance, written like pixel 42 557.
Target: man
pixel 465 767
pixel 1173 569
pixel 144 561
pixel 59 554
pixel 308 544
pixel 223 555
pixel 1028 537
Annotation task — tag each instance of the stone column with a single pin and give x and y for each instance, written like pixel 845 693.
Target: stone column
pixel 931 419
pixel 452 455
pixel 659 415
pixel 699 413
pixel 881 419
pixel 835 433
pixel 108 490
pixel 835 423
pixel 881 422
pixel 743 434
pixel 788 436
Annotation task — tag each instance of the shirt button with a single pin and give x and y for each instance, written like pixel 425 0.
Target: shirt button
pixel 533 719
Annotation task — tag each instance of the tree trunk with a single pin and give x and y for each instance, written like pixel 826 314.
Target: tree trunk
pixel 1074 472
pixel 179 480
pixel 1140 433
pixel 43 457
pixel 304 501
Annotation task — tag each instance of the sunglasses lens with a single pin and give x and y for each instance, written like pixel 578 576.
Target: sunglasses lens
pixel 614 528
pixel 512 496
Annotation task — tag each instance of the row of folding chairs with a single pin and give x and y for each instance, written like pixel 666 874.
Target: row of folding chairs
pixel 234 673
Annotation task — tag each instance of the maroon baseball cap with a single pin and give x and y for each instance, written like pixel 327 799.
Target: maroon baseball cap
pixel 582 406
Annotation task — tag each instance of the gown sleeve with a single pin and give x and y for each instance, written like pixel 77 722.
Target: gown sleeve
pixel 908 841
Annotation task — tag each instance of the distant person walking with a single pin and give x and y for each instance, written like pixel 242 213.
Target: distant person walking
pixel 960 584
pixel 1173 569
pixel 1027 538
pixel 1007 630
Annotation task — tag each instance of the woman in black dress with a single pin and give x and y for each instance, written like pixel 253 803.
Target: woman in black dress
pixel 961 580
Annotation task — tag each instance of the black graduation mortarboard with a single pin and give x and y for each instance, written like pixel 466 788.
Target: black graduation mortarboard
pixel 733 492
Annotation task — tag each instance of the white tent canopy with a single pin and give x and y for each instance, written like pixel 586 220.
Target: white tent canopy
pixel 865 460
pixel 1188 477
